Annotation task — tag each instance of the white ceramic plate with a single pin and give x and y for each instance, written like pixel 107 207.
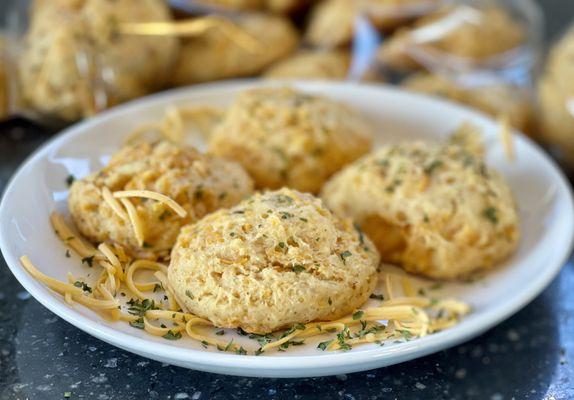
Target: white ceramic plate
pixel 542 193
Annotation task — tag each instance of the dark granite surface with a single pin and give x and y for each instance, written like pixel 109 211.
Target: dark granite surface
pixel 530 356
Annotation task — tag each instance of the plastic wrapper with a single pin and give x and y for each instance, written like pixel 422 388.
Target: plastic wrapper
pixel 78 57
pixel 3 82
pixel 483 54
pixel 333 22
pixel 75 60
pixel 556 100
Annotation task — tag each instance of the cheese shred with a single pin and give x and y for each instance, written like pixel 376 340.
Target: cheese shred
pixel 506 137
pixel 148 194
pixel 396 318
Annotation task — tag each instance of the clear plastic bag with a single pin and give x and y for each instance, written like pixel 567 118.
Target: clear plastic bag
pixel 78 57
pixel 483 54
pixel 556 100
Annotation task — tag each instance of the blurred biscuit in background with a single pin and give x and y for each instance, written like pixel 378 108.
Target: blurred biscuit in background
pixel 556 99
pixel 312 65
pixel 332 22
pixel 76 62
pixel 463 31
pixel 215 54
pixel 497 100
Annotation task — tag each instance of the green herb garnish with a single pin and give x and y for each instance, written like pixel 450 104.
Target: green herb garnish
pixel 323 345
pixel 164 215
pixel 432 166
pixel 70 179
pixel 298 268
pixel 138 323
pixel 344 255
pixel 170 335
pixel 358 315
pixel 83 286
pixel 139 308
pixel 490 214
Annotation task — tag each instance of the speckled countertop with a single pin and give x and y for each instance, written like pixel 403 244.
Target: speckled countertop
pixel 529 356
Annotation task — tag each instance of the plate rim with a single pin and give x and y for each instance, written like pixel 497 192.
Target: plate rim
pixel 289 366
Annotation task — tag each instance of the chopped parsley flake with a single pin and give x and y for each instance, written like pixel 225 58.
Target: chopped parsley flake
pixel 429 169
pixel 70 179
pixel 164 215
pixel 282 199
pixel 344 255
pixel 405 334
pixel 83 286
pixel 138 323
pixel 220 332
pixel 377 296
pixel 298 268
pixel 490 214
pixel 241 351
pixel 189 294
pixel 358 315
pixel 330 301
pixel 360 232
pixel 68 253
pixel 170 335
pixel 139 308
pixel 198 192
pixel 323 345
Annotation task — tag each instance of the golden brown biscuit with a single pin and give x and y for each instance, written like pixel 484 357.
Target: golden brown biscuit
pixel 556 99
pixel 287 138
pixel 75 62
pixel 312 65
pixel 215 55
pixel 499 100
pixel 197 182
pixel 434 209
pixel 469 33
pixel 275 260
